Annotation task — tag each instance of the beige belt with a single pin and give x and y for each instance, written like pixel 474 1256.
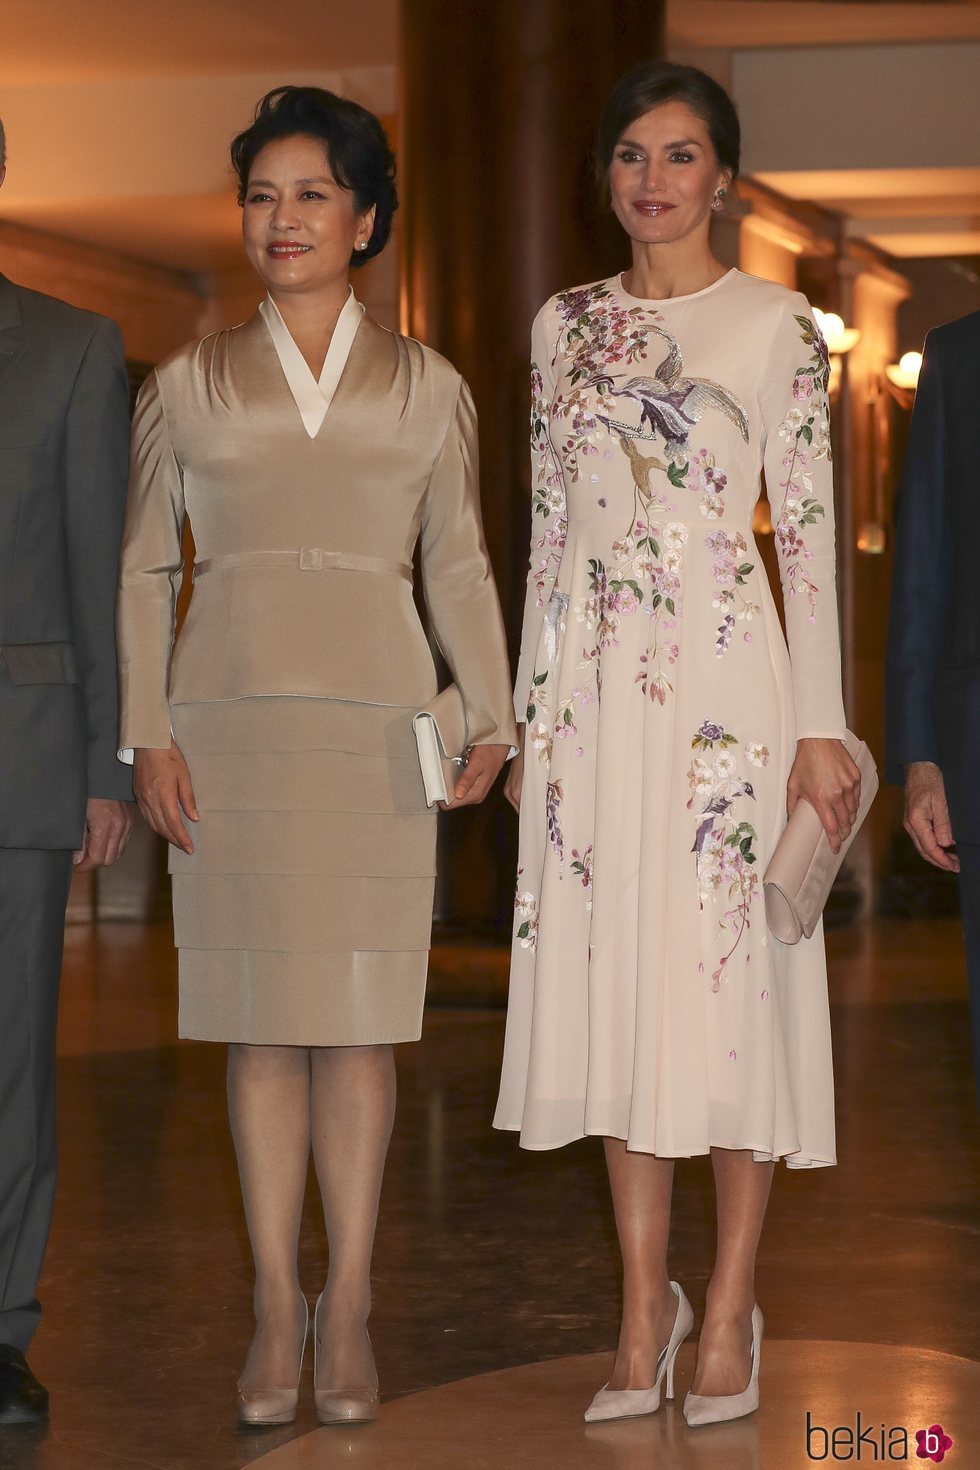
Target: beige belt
pixel 308 559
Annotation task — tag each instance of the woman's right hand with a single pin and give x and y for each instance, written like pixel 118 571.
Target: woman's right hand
pixel 515 773
pixel 162 784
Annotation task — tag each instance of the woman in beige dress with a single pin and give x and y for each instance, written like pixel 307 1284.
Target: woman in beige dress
pixel 667 728
pixel 310 450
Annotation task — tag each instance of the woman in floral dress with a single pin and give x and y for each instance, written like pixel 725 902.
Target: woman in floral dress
pixel 667 731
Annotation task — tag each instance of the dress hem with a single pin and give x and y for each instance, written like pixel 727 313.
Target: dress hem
pixel 760 1155
pixel 289 1040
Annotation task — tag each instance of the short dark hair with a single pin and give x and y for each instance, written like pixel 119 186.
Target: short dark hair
pixel 656 82
pixel 356 146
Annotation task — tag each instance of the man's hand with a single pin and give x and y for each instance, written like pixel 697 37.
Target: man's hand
pixel 477 776
pixel 108 828
pixel 927 815
pixel 163 789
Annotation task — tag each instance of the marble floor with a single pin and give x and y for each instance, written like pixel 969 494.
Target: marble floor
pixel 495 1280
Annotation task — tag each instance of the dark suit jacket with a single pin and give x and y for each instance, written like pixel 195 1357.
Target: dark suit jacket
pixel 933 666
pixel 63 465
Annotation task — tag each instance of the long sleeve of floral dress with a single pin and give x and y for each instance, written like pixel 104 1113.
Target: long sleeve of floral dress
pixel 547 510
pixel 799 481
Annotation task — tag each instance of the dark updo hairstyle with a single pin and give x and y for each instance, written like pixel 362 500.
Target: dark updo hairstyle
pixel 656 82
pixel 355 143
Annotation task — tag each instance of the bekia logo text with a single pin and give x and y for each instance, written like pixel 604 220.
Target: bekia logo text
pixel 874 1443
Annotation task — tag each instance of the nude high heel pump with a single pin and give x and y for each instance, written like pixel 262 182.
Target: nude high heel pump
pixel 340 1405
pixel 628 1403
pixel 714 1408
pixel 273 1405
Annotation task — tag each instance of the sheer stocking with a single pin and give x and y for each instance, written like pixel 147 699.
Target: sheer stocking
pixel 641 1190
pixel 742 1188
pixel 269 1109
pixel 353 1108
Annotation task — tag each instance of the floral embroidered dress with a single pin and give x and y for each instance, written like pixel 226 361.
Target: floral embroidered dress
pixel 648 1001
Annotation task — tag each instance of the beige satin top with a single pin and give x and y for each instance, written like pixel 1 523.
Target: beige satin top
pixel 304 543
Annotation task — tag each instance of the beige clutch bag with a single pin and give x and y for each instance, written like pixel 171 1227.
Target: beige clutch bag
pixel 440 734
pixel 803 867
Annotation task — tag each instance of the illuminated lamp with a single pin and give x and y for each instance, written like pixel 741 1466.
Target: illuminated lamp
pixel 839 339
pixel 905 372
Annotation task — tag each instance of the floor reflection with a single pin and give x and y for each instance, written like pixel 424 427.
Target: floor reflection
pixel 488 1258
pixel 532 1417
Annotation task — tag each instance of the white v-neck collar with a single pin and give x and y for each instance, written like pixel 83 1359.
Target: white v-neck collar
pixel 313 397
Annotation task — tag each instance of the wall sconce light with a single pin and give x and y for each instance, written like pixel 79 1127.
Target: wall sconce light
pixel 905 372
pixel 839 339
pixel 899 383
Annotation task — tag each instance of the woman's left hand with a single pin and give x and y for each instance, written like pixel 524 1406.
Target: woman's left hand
pixel 828 778
pixel 477 776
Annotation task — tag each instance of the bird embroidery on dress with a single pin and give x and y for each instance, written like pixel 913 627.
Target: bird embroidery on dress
pixel 641 465
pixel 670 404
pixel 720 805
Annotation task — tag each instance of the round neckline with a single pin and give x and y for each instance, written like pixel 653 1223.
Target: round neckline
pixel 666 300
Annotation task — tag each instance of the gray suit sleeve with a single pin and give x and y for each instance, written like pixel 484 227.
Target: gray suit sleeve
pixel 96 463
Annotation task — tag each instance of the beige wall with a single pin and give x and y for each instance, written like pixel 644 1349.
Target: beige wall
pixel 765 253
pixel 942 291
pixel 854 107
pixel 157 309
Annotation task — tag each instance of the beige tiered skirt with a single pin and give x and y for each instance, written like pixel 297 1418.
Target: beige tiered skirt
pixel 303 916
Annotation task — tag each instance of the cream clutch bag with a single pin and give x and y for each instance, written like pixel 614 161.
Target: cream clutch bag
pixel 440 734
pixel 803 867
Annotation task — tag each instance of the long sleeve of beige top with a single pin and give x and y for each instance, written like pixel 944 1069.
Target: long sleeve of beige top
pixel 304 545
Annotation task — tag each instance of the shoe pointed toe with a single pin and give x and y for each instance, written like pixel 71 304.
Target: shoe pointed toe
pixel 624 1403
pixel 258 1406
pixel 631 1403
pixel 719 1408
pixel 339 1406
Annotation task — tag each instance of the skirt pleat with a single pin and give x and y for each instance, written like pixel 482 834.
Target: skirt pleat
pixel 303 916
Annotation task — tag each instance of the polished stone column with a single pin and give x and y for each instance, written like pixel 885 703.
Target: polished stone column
pixel 500 210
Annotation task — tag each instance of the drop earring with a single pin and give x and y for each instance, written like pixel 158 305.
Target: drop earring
pixel 719 199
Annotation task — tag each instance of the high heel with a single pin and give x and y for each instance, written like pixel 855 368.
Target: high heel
pixel 714 1408
pixel 340 1405
pixel 273 1405
pixel 629 1403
